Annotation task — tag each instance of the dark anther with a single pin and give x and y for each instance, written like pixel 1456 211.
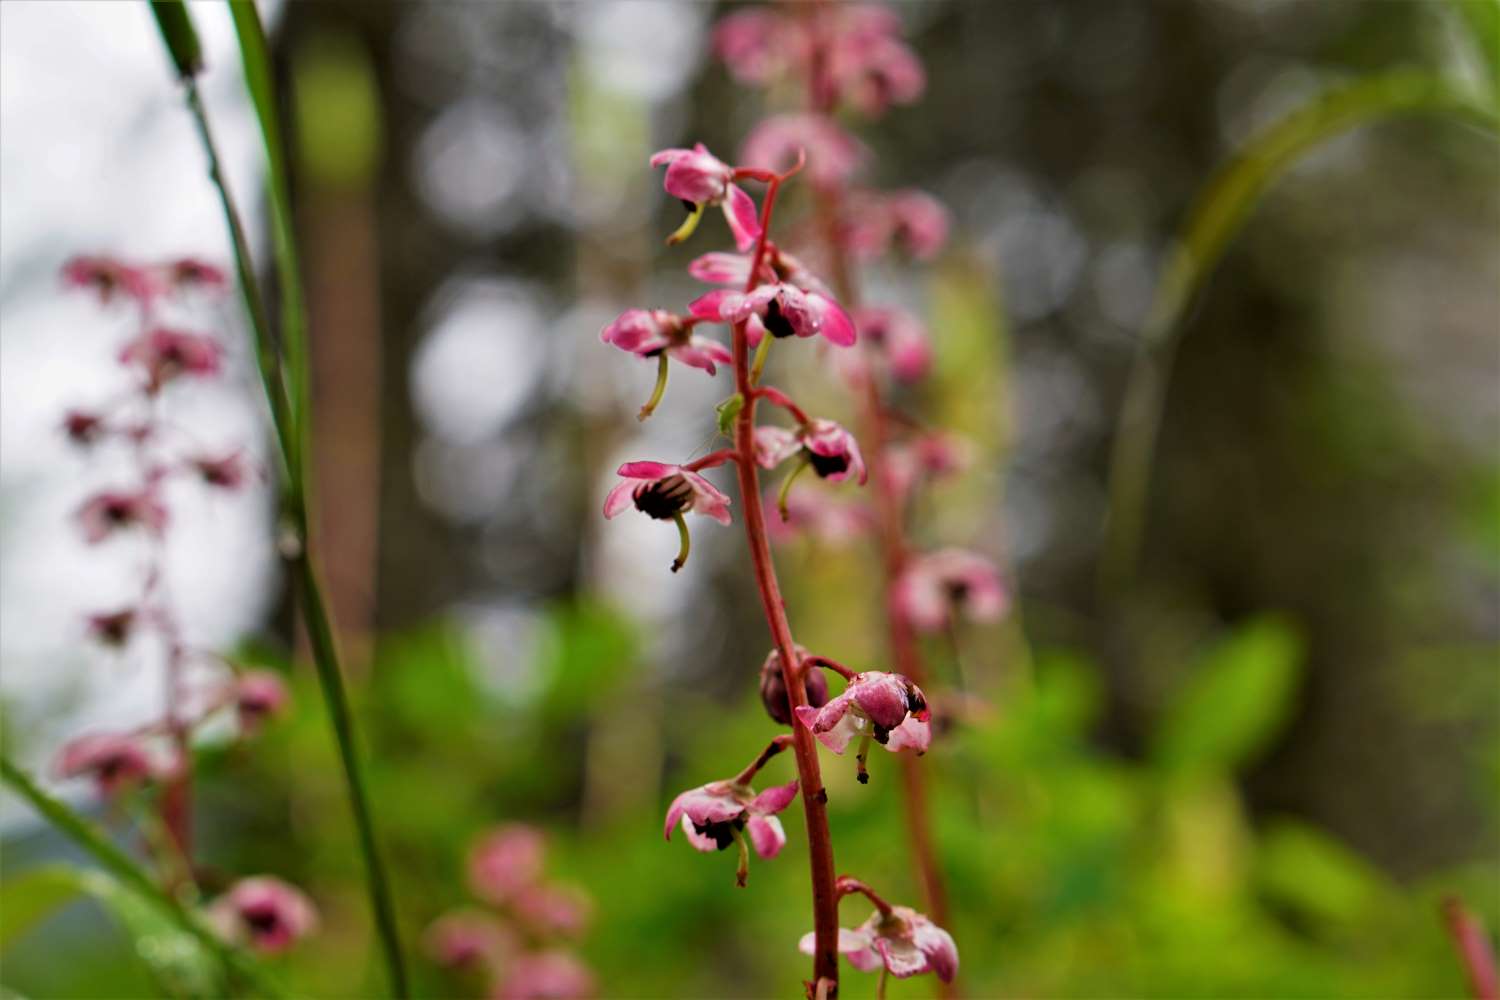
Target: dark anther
pixel 664 497
pixel 262 920
pixel 828 465
pixel 775 322
pixel 690 206
pixel 864 777
pixel 722 833
pixel 914 700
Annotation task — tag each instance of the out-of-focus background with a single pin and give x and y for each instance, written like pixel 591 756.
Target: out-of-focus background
pixel 1250 769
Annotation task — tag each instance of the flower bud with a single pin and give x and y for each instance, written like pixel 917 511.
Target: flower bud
pixel 773 688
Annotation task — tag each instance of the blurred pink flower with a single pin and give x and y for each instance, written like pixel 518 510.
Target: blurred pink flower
pixel 114 510
pixel 698 179
pixel 226 472
pixel 934 455
pixel 888 707
pixel 661 491
pixel 773 694
pixel 108 277
pixel 467 939
pixel 194 273
pixel 546 975
pixel 164 354
pixel 258 696
pixel 830 449
pixel 820 514
pixel 115 761
pixel 898 340
pixel 553 910
pixel 82 427
pixel 912 220
pixel 505 860
pixel 907 942
pixel 649 333
pixel 113 628
pixel 833 154
pixel 264 912
pixel 753 44
pixel 935 587
pixel 712 816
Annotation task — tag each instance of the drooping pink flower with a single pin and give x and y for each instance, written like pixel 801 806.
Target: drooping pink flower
pixel 662 491
pixel 754 44
pixel 225 472
pixel 265 913
pixel 258 696
pixel 935 587
pixel 899 340
pixel 830 449
pixel 83 427
pixel 905 941
pixel 699 179
pixel 868 65
pixel 108 277
pixel 553 910
pixel 773 693
pixel 194 273
pixel 911 220
pixel 820 514
pixel 712 817
pixel 113 628
pixel 888 707
pixel 649 333
pixel 783 310
pixel 505 860
pixel 115 510
pixel 833 155
pixel 466 939
pixel 546 975
pixel 164 354
pixel 933 456
pixel 116 761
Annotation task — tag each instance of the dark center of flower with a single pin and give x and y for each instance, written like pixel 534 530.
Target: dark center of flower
pixel 721 832
pixel 262 920
pixel 828 465
pixel 110 768
pixel 117 512
pixel 776 322
pixel 958 591
pixel 665 497
pixel 114 629
pixel 689 205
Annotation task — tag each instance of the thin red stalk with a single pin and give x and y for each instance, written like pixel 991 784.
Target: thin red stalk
pixel 1473 945
pixel 814 797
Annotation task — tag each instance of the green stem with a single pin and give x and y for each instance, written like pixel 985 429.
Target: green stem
pixel 880 983
pixel 762 352
pixel 786 485
pixel 659 391
pixel 115 861
pixel 687 542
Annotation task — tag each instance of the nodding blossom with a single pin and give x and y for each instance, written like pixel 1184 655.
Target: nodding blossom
pixel 553 910
pixel 898 340
pixel 545 975
pixel 833 155
pixel 869 67
pixel 782 309
pixel 104 514
pixel 467 939
pixel 506 860
pixel 225 472
pixel 699 179
pixel 265 913
pixel 935 587
pixel 113 628
pixel 108 278
pixel 886 707
pixel 649 333
pixel 931 456
pixel 258 695
pixel 115 761
pixel 906 942
pixel 164 354
pixel 829 448
pixel 712 817
pixel 773 693
pixel 818 514
pixel 663 491
pixel 911 220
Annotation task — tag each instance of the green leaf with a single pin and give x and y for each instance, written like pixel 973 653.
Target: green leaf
pixel 728 410
pixel 33 897
pixel 1305 869
pixel 1235 701
pixel 181 39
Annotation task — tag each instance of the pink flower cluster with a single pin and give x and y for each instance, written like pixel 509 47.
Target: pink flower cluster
pixel 517 942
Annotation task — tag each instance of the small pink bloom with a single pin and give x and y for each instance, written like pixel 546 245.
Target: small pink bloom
pixel 505 860
pixel 164 354
pixel 773 694
pixel 832 154
pixel 113 628
pixel 868 65
pixel 712 816
pixel 912 220
pixel 226 472
pixel 82 427
pixel 935 587
pixel 194 273
pixel 648 333
pixel 905 941
pixel 264 912
pixel 820 514
pixel 830 449
pixel 753 44
pixel 931 456
pixel 259 695
pixel 698 178
pixel 888 707
pixel 467 939
pixel 899 339
pixel 546 975
pixel 115 761
pixel 783 309
pixel 553 910
pixel 106 513
pixel 661 491
pixel 108 277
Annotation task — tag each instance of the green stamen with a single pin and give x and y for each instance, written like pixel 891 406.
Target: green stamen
pixel 742 873
pixel 761 353
pixel 864 752
pixel 786 484
pixel 688 226
pixel 687 542
pixel 661 387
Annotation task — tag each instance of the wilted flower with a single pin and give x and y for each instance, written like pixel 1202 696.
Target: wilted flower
pixel 905 941
pixel 108 277
pixel 553 910
pixel 649 333
pixel 265 913
pixel 165 354
pixel 226 472
pixel 712 817
pixel 887 707
pixel 783 310
pixel 505 860
pixel 546 975
pixel 106 513
pixel 115 761
pixel 832 154
pixel 773 694
pixel 899 340
pixel 258 695
pixel 935 587
pixel 467 938
pixel 82 427
pixel 698 179
pixel 113 628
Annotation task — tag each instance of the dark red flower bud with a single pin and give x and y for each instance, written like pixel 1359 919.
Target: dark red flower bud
pixel 773 688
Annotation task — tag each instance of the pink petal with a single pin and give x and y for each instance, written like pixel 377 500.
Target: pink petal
pixel 766 835
pixel 646 470
pixel 739 212
pixel 620 498
pixel 700 352
pixel 903 958
pixel 937 944
pixel 701 841
pixel 834 323
pixel 913 734
pixel 715 306
pixel 775 798
pixel 721 268
pixel 707 500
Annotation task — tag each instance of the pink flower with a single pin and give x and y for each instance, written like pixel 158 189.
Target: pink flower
pixel 116 761
pixel 932 455
pixel 108 277
pixel 194 273
pixel 663 491
pixel 82 427
pixel 553 910
pixel 466 939
pixel 935 587
pixel 712 816
pixel 820 514
pixel 753 44
pixel 165 354
pixel 773 694
pixel 505 860
pixel 783 309
pixel 899 340
pixel 913 220
pixel 832 154
pixel 259 695
pixel 227 472
pixel 546 975
pixel 106 513
pixel 264 912
pixel 888 707
pixel 649 333
pixel 113 628
pixel 830 449
pixel 698 178
pixel 907 942
pixel 719 268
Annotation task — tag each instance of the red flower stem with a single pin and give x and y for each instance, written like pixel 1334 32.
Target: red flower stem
pixel 834 665
pixel 1474 949
pixel 714 459
pixel 814 796
pixel 771 394
pixel 773 748
pixel 848 885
